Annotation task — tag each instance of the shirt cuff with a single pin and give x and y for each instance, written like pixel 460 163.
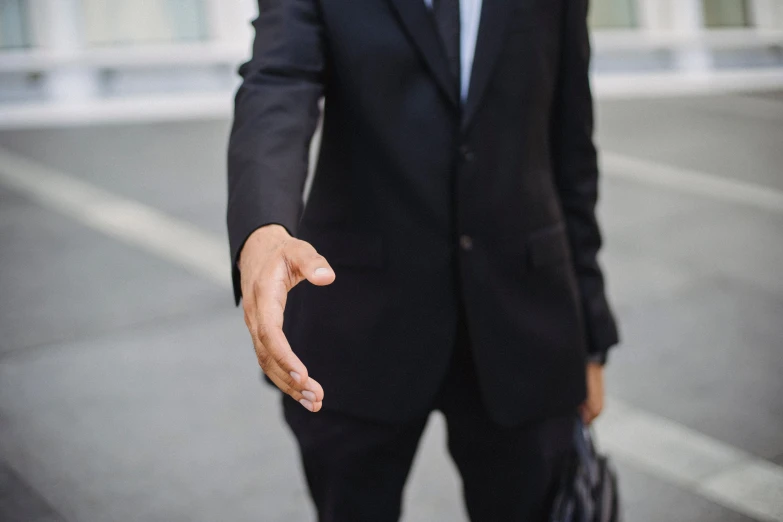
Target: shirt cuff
pixel 598 357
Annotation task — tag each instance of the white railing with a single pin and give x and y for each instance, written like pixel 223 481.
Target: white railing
pixel 71 67
pixel 68 68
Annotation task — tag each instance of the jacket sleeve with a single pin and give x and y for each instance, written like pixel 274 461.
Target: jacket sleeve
pixel 576 173
pixel 275 116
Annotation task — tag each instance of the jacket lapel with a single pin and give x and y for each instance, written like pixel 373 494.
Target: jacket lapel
pixel 491 36
pixel 421 29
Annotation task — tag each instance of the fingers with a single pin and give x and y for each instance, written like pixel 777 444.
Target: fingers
pixel 285 369
pixel 584 415
pixel 308 387
pixel 311 265
pixel 589 412
pixel 594 404
pixel 309 399
pixel 273 350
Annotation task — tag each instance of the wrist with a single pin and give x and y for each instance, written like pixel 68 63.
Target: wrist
pixel 273 231
pixel 262 237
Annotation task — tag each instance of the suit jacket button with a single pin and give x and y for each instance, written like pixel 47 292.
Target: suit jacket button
pixel 466 243
pixel 467 154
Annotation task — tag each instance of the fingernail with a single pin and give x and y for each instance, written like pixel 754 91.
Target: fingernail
pixel 307 404
pixel 295 376
pixel 310 396
pixel 322 271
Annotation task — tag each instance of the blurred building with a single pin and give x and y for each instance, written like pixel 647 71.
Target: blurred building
pixel 63 60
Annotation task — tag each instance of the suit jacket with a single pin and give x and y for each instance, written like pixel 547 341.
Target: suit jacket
pixel 424 205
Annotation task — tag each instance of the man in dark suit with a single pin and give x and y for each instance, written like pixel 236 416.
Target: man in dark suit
pixel 449 241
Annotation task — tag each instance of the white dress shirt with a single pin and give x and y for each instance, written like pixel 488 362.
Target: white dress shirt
pixel 470 15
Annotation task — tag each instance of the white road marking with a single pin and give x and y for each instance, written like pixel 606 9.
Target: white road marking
pixel 128 109
pixel 668 84
pixel 127 220
pixel 703 465
pixel 692 182
pixel 663 448
pixel 755 486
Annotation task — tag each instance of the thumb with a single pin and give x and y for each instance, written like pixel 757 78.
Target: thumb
pixel 311 265
pixel 322 275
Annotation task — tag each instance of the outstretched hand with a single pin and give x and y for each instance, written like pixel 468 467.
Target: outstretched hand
pixel 271 264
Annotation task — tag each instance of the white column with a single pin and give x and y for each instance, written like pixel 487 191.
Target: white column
pixel 229 22
pixel 766 14
pixel 654 16
pixel 218 20
pixel 57 27
pixel 688 19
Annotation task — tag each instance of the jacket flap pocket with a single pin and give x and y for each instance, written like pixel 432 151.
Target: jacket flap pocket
pixel 348 248
pixel 548 246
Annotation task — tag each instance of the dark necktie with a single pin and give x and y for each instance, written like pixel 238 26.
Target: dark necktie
pixel 446 13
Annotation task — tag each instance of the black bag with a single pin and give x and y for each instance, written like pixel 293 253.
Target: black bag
pixel 588 489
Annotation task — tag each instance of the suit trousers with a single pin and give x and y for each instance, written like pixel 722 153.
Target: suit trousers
pixel 356 469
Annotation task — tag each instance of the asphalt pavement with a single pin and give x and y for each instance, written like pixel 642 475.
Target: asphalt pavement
pixel 129 390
